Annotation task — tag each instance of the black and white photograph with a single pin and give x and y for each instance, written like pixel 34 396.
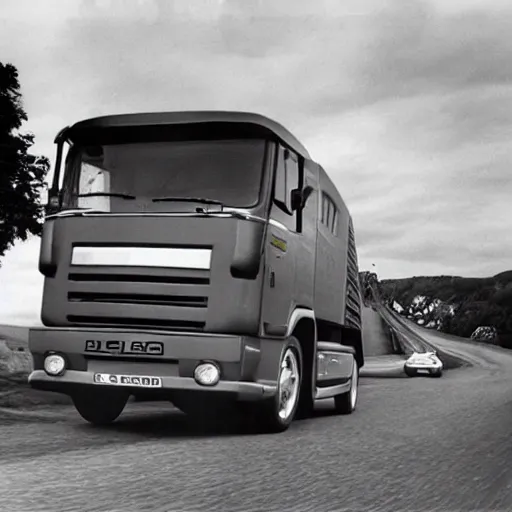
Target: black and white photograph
pixel 255 256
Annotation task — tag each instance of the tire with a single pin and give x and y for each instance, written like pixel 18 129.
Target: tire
pixel 346 403
pixel 100 407
pixel 410 372
pixel 436 373
pixel 306 406
pixel 272 416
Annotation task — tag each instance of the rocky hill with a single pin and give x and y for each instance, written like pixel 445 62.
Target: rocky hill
pixel 470 307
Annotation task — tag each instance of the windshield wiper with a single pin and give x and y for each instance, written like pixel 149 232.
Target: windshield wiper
pixel 107 194
pixel 203 200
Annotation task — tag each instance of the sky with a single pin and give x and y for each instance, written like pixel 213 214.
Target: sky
pixel 406 104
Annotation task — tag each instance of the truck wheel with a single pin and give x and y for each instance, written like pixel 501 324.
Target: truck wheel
pixel 306 406
pixel 346 402
pixel 100 407
pixel 410 372
pixel 277 414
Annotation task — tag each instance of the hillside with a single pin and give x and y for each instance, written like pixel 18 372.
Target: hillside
pixel 16 337
pixel 455 305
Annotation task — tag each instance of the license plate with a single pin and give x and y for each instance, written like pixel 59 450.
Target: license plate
pixel 128 380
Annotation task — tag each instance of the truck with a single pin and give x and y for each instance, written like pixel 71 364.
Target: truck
pixel 201 258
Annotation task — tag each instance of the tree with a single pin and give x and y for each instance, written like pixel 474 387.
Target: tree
pixel 22 174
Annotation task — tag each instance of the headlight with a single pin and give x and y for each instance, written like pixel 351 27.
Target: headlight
pixel 54 365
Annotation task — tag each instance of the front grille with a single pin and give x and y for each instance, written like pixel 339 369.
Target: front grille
pixel 174 299
pixel 137 278
pixel 125 298
pixel 106 321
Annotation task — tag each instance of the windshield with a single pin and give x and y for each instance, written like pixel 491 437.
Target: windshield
pixel 146 176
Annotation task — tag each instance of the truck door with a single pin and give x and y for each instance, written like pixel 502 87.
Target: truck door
pixel 289 249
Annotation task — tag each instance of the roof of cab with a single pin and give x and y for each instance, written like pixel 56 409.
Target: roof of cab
pixel 272 128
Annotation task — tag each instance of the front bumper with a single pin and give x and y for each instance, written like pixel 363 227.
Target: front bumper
pixel 424 366
pixel 249 365
pixel 73 379
pixel 421 368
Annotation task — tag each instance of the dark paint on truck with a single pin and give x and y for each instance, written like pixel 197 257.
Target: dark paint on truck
pixel 281 272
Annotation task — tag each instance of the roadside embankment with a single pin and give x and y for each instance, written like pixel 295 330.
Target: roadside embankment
pixel 383 358
pixel 409 341
pixel 15 367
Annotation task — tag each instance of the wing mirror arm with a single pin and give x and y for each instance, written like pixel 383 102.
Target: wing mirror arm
pixel 50 199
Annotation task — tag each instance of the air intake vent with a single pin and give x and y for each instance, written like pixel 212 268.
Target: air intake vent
pixel 137 278
pixel 106 321
pixel 126 298
pixel 353 300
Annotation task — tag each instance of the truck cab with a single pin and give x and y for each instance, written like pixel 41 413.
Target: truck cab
pixel 200 258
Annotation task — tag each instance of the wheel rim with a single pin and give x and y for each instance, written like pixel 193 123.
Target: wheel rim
pixel 288 384
pixel 353 389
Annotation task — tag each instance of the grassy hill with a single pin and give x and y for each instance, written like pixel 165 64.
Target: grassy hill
pixel 15 366
pixel 461 303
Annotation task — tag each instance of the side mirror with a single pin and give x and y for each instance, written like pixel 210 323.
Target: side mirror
pixel 53 202
pixel 296 198
pixel 300 197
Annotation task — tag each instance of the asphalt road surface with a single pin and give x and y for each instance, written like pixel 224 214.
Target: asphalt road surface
pixel 416 444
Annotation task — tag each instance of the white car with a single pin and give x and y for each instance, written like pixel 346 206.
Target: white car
pixel 423 362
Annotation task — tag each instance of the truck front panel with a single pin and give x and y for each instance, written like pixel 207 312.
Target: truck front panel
pixel 163 271
pixel 247 368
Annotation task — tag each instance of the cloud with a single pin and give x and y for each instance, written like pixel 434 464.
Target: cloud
pixel 407 105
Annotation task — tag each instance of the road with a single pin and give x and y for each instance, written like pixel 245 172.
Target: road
pixel 413 445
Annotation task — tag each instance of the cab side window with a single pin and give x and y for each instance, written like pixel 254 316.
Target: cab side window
pixel 287 178
pixel 329 214
pixel 291 163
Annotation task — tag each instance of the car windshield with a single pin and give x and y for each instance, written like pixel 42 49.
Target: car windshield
pixel 147 176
